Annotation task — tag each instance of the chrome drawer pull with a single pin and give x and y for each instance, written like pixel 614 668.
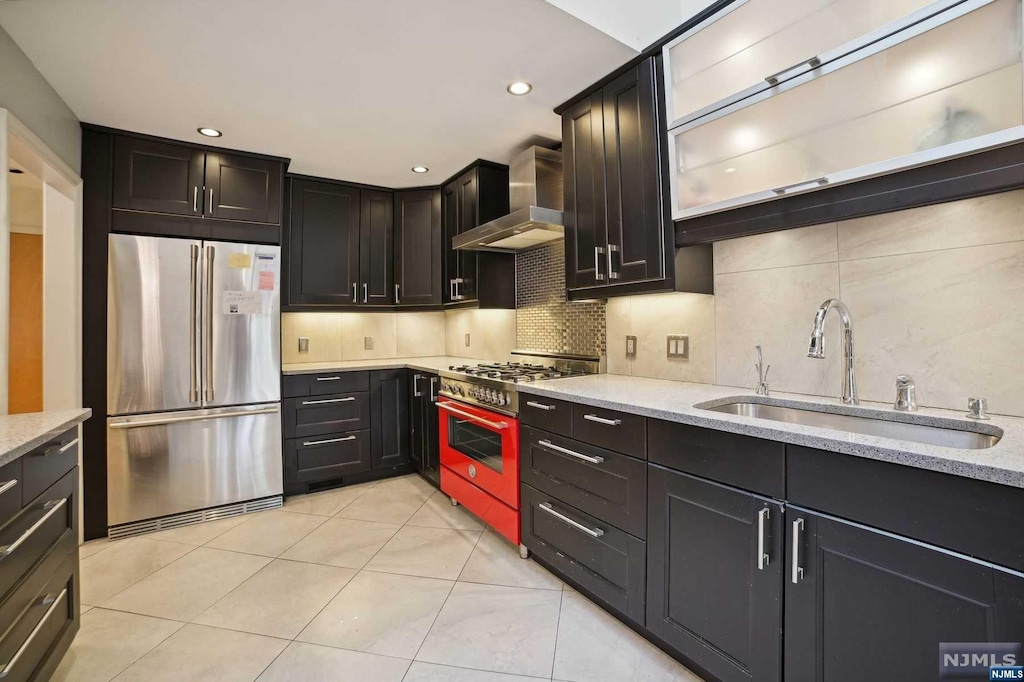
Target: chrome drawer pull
pixel 602 420
pixel 62 597
pixel 773 80
pixel 797 185
pixel 565 451
pixel 53 506
pixel 329 400
pixel 7 485
pixel 329 440
pixel 134 423
pixel 540 406
pixel 59 450
pixel 592 532
pixel 328 378
pixel 762 557
pixel 797 573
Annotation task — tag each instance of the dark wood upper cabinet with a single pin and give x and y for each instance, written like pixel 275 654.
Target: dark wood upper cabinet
pixel 376 248
pixel 242 188
pixel 157 176
pixel 583 167
pixel 466 190
pixel 450 228
pixel 323 243
pixel 417 217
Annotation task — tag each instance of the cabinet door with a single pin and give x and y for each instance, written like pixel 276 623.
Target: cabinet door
pixel 323 259
pixel 389 397
pixel 242 188
pixel 418 247
pixel 431 431
pixel 376 247
pixel 714 575
pixel 469 217
pixel 157 177
pixel 851 590
pixel 417 437
pixel 636 225
pixel 450 228
pixel 584 176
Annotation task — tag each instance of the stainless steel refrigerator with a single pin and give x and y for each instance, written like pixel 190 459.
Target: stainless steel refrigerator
pixel 193 383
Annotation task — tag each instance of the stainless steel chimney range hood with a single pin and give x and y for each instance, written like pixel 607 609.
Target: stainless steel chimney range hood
pixel 535 197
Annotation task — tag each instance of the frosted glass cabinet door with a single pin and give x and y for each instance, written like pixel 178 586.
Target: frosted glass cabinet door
pixel 950 85
pixel 755 44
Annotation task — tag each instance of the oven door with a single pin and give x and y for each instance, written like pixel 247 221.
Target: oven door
pixel 482 447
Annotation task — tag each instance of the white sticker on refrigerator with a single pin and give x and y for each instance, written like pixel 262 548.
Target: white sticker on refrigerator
pixel 242 303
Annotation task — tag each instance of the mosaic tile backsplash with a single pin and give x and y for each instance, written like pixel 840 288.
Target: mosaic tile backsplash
pixel 545 320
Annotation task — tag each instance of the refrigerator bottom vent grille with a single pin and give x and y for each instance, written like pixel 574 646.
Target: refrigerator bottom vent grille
pixel 127 530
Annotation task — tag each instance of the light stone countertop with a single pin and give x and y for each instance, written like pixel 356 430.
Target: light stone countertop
pixel 677 401
pixel 20 433
pixel 433 363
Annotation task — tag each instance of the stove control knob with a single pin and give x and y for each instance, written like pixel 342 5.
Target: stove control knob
pixel 502 399
pixel 490 396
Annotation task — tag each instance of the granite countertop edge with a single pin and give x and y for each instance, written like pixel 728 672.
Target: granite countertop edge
pixel 21 433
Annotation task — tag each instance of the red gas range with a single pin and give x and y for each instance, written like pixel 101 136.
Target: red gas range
pixel 479 431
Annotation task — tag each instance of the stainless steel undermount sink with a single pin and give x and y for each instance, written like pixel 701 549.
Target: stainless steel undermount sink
pixel 957 435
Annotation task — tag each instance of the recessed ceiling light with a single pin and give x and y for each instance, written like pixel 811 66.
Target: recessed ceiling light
pixel 519 88
pixel 419 169
pixel 210 132
pixel 17 171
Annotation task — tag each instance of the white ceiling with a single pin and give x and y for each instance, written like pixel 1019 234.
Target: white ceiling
pixel 636 23
pixel 358 90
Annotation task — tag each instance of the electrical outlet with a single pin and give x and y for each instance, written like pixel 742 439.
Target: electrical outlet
pixel 303 344
pixel 467 339
pixel 630 346
pixel 678 346
pixel 367 343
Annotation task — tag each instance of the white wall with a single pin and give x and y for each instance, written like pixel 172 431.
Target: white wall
pixel 637 23
pixel 62 302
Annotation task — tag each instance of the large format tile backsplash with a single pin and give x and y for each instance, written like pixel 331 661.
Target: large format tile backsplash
pixel 934 292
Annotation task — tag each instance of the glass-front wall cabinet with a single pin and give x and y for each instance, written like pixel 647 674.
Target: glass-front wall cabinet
pixel 920 84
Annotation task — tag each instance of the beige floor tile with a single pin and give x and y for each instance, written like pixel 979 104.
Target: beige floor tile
pixel 380 613
pixel 87 549
pixel 496 561
pixel 200 533
pixel 502 629
pixel 197 652
pixel 327 503
pixel 305 662
pixel 108 642
pixel 123 564
pixel 386 504
pixel 426 552
pixel 279 600
pixel 190 585
pixel 85 608
pixel 267 534
pixel 431 672
pixel 594 647
pixel 342 542
pixel 413 485
pixel 438 512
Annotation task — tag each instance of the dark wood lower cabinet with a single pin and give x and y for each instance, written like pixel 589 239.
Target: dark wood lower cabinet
pixel 714 575
pixel 324 458
pixel 425 446
pixel 389 397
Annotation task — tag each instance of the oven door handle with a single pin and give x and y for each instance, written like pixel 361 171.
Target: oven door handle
pixel 472 417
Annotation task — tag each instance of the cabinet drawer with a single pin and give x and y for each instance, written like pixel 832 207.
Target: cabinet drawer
pixel 42 467
pixel 546 413
pixel 43 610
pixel 331 413
pixel 610 429
pixel 31 535
pixel 10 485
pixel 745 462
pixel 297 385
pixel 605 484
pixel 323 458
pixel 600 558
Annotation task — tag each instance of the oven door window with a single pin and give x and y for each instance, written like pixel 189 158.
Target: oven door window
pixel 475 442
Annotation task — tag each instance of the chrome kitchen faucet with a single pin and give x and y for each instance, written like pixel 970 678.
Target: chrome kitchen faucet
pixel 816 348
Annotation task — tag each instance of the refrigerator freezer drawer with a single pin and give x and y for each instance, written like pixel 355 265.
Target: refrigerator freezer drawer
pixel 173 462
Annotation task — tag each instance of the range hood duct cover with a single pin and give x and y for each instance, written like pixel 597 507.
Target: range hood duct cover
pixel 535 195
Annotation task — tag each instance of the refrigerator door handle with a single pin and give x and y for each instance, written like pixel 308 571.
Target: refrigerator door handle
pixel 208 326
pixel 193 368
pixel 137 422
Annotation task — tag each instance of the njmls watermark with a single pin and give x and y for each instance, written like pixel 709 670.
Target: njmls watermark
pixel 967 661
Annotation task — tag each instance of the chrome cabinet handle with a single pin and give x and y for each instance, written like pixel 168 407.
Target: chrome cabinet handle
pixel 612 248
pixel 762 557
pixel 797 185
pixel 797 572
pixel 193 303
pixel 52 507
pixel 327 401
pixel 195 199
pixel 540 406
pixel 773 80
pixel 416 385
pixel 598 251
pixel 592 532
pixel 451 289
pixel 397 297
pixel 135 422
pixel 456 282
pixel 366 292
pixel 62 449
pixel 355 295
pixel 433 389
pixel 566 451
pixel 211 201
pixel 328 378
pixel 329 440
pixel 602 420
pixel 13 661
pixel 473 417
pixel 7 485
pixel 211 253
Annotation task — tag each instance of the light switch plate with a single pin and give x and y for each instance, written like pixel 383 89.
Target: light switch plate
pixel 678 346
pixel 630 346
pixel 467 339
pixel 367 343
pixel 303 344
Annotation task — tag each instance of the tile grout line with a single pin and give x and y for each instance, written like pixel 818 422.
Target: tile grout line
pixel 558 625
pixel 192 548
